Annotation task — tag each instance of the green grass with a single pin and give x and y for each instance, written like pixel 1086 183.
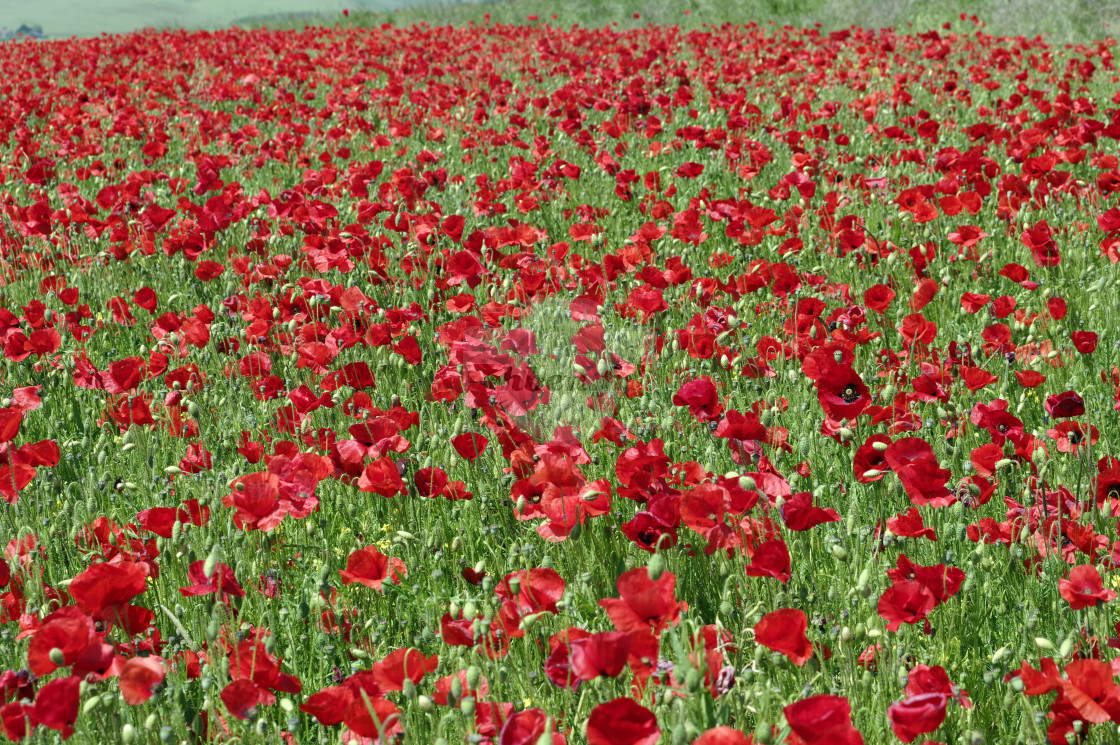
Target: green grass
pixel 1060 21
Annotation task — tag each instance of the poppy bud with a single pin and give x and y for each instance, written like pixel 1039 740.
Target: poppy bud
pixel 456 689
pixel 872 473
pixel 845 634
pixel 408 688
pixel 474 676
pixel 763 733
pixel 425 704
pixel 211 563
pixel 655 566
pixel 128 732
pixel 692 680
pixel 840 552
pixel 1066 647
pixel 1044 644
pixel 57 657
pixel 528 621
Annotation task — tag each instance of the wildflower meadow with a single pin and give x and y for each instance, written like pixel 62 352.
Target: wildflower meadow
pixel 535 383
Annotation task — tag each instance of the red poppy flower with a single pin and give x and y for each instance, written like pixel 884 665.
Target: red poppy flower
pixel 1090 691
pixel 700 397
pixel 527 728
pixel 558 666
pixel 137 678
pixel 910 525
pixel 648 532
pixel 976 378
pixel 921 475
pixel 644 604
pixel 770 559
pixel 602 654
pixel 71 632
pixel 1084 341
pixel 798 512
pixel 430 482
pixel 400 665
pixel 241 697
pixel 10 419
pixel 823 720
pixel 924 293
pixel 1029 378
pixel 56 705
pixel 925 679
pixel 1084 588
pixel 1065 405
pixel 368 566
pixel 522 391
pixel 1040 240
pixel 723 736
pixel 738 426
pixel 783 631
pixel 221 580
pixel 878 298
pixel 103 590
pixel 1071 436
pixel 443 688
pixel 469 445
pixel 622 722
pixel 382 477
pixel 943 582
pixel 917 715
pixel 973 302
pixel 842 393
pixel 870 457
pixel 905 602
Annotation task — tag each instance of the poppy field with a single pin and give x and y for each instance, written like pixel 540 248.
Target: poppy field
pixel 539 384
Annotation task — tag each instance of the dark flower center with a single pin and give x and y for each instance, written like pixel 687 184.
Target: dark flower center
pixel 1075 437
pixel 850 393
